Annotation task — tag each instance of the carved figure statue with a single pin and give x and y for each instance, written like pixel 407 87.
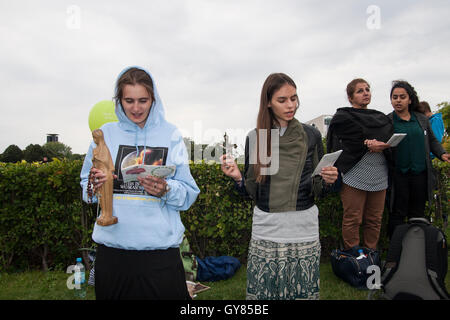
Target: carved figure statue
pixel 102 160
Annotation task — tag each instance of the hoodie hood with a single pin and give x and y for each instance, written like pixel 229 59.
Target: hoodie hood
pixel 156 116
pixel 145 222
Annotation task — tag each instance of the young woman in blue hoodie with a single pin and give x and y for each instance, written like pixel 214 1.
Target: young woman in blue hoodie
pixel 139 258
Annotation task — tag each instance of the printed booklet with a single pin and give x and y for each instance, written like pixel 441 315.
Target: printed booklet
pixel 141 170
pixel 327 160
pixel 396 139
pixel 132 163
pixel 195 288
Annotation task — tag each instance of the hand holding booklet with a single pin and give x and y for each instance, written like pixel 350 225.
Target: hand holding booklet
pixel 396 139
pixel 141 170
pixel 327 160
pixel 142 162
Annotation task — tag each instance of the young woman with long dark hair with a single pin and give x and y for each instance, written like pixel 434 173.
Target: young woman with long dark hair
pixel 412 178
pixel 280 156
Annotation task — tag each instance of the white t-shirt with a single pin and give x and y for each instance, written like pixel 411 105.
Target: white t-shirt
pixel 286 227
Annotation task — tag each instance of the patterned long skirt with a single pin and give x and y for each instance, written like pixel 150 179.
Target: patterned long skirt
pixel 283 271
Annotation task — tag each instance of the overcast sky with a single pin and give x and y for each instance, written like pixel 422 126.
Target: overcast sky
pixel 210 58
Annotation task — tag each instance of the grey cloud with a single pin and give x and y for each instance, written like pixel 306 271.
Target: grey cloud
pixel 209 58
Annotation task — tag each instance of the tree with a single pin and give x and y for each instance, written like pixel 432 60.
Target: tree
pixel 12 154
pixel 57 150
pixel 77 156
pixel 33 152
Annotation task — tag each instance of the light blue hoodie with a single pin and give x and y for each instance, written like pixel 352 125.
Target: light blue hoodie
pixel 145 222
pixel 437 126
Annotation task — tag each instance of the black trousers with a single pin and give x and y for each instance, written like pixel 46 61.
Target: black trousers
pixel 410 196
pixel 139 275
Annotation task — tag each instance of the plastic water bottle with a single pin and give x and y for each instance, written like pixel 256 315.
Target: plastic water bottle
pixel 80 281
pixel 361 254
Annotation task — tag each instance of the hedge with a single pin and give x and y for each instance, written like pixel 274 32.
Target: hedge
pixel 40 221
pixel 44 222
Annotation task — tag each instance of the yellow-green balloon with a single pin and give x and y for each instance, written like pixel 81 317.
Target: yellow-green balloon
pixel 101 113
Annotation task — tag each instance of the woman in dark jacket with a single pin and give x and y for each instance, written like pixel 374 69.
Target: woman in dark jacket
pixel 412 182
pixel 280 156
pixel 361 133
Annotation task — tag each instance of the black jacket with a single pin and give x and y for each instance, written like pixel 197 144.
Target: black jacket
pixel 305 192
pixel 348 130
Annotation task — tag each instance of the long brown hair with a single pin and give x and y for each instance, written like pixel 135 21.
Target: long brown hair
pixel 266 119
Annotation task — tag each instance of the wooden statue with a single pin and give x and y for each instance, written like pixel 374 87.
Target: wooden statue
pixel 102 160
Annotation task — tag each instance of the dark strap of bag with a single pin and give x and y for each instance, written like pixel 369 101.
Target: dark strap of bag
pixel 431 258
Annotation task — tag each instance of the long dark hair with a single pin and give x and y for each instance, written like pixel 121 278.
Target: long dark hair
pixel 266 119
pixel 414 105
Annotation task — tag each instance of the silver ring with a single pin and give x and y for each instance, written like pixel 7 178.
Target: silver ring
pixel 96 180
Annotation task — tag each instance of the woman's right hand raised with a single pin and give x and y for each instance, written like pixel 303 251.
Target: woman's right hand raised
pixel 230 168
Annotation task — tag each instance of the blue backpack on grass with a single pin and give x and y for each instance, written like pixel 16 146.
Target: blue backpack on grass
pixel 217 268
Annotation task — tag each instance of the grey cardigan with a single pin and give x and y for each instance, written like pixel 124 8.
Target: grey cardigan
pixel 431 145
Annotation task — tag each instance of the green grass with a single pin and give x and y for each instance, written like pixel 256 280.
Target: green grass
pixel 230 289
pixel 37 285
pixel 331 287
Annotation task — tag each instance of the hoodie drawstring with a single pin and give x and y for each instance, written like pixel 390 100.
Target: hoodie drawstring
pixel 145 146
pixel 136 145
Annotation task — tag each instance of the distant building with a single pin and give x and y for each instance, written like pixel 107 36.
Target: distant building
pixel 52 137
pixel 321 123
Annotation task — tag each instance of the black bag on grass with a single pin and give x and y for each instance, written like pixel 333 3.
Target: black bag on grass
pixel 348 267
pixel 416 263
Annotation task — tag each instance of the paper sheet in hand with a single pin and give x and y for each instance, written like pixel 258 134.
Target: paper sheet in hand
pixel 395 139
pixel 327 160
pixel 196 287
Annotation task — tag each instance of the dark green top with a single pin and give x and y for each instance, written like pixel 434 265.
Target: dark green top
pixel 411 150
